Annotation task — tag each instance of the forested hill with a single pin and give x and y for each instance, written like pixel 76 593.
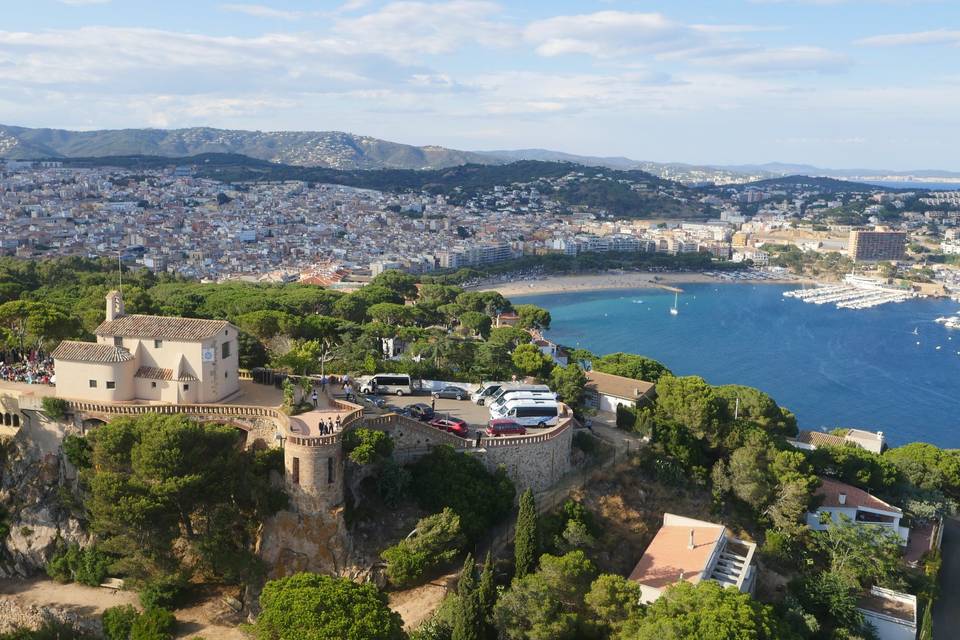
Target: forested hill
pixel 631 193
pixel 308 148
pixel 823 184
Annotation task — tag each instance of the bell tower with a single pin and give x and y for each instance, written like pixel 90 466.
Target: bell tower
pixel 114 305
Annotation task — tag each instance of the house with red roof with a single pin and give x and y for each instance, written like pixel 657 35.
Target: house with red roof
pixel 840 499
pixel 690 550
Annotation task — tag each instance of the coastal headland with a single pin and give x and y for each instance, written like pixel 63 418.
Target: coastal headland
pixel 615 280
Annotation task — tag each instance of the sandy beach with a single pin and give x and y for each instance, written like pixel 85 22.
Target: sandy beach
pixel 617 280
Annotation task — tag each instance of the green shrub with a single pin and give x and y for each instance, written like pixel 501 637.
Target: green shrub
pixel 432 629
pixel 78 451
pixel 436 542
pixel 392 483
pixel 447 478
pixel 625 417
pixel 70 563
pixel 56 408
pixel 154 624
pixel 163 592
pixel 585 442
pixel 118 621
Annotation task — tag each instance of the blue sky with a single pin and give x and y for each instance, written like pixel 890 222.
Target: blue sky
pixel 838 83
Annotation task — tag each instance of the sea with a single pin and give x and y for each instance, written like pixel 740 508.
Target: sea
pixel 890 368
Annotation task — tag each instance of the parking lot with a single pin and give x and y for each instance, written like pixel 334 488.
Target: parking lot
pixel 474 415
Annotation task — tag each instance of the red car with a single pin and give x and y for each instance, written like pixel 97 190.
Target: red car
pixel 456 426
pixel 505 427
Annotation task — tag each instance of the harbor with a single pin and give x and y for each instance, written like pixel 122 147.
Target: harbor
pixel 855 292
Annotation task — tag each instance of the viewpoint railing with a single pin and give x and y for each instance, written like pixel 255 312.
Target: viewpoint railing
pixel 201 410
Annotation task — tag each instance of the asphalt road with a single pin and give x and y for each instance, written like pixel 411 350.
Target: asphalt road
pixel 946 611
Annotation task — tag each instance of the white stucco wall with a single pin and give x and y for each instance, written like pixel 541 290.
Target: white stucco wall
pixel 73 380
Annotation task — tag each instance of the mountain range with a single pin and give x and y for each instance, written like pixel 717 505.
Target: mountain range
pixel 339 150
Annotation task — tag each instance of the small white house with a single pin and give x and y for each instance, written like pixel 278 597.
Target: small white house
pixel 810 440
pixel 840 499
pixel 689 550
pixel 892 614
pixel 605 392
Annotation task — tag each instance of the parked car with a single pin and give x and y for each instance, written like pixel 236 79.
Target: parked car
pixel 456 426
pixel 375 401
pixel 504 427
pixel 452 393
pixel 420 411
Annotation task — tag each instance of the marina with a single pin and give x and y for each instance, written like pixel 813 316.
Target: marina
pixel 855 293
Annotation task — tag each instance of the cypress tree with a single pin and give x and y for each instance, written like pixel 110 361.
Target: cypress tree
pixel 525 539
pixel 487 596
pixel 468 623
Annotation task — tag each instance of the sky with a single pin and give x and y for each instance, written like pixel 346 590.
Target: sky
pixel 835 83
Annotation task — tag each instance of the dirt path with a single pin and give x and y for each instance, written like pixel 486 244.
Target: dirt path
pixel 416 605
pixel 90 602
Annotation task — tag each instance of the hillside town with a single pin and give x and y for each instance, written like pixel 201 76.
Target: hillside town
pixel 170 221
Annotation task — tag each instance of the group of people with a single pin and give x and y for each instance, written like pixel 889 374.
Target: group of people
pixel 330 426
pixel 29 371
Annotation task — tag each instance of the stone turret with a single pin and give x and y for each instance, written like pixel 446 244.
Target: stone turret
pixel 114 305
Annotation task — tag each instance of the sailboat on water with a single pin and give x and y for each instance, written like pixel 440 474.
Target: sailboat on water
pixel 674 310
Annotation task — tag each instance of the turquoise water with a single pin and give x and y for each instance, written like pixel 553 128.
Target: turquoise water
pixel 832 367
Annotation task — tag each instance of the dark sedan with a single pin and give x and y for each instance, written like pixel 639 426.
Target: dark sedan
pixel 420 411
pixel 452 393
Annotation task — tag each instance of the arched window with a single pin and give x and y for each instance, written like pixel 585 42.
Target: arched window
pixel 6 420
pixel 16 419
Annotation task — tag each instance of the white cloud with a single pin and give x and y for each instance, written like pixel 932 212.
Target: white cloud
pixel 608 34
pixel 408 29
pixel 939 36
pixel 261 11
pixel 778 60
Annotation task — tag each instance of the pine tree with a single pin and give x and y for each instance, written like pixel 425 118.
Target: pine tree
pixel 525 539
pixel 487 596
pixel 468 623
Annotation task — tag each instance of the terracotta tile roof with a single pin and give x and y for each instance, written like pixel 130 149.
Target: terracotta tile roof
pixel 154 373
pixel 669 555
pixel 617 386
pixel 90 352
pixel 830 491
pixel 139 326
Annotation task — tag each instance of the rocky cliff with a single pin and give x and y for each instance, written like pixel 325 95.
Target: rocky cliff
pixel 36 495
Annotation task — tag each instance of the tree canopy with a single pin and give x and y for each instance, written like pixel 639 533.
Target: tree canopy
pixel 630 365
pixel 706 611
pixel 308 606
pixel 164 485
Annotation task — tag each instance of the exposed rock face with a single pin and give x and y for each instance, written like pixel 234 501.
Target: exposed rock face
pixel 15 615
pixel 291 542
pixel 34 478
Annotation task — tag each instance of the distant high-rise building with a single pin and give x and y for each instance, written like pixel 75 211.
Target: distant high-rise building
pixel 881 244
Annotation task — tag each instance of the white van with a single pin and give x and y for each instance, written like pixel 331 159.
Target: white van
pixel 485 391
pixel 498 405
pixel 388 383
pixel 514 388
pixel 533 413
